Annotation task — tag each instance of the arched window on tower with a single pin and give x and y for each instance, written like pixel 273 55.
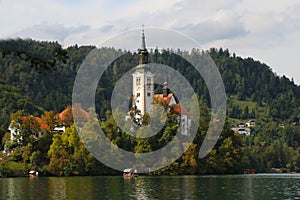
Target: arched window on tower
pixel 148 81
pixel 138 80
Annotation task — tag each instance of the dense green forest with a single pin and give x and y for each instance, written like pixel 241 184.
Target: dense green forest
pixel 37 77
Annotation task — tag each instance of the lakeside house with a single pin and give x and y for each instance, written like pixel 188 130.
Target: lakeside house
pixel 36 123
pixel 40 127
pixel 250 123
pixel 242 131
pixel 244 128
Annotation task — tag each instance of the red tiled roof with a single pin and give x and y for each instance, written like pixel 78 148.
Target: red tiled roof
pixel 159 97
pixel 39 121
pixel 180 110
pixel 71 111
pixel 43 125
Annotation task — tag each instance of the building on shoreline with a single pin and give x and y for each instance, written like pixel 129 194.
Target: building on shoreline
pixel 143 96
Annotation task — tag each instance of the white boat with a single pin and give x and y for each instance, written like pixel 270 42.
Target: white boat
pixel 130 173
pixel 33 174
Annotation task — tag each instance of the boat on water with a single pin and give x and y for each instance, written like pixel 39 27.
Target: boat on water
pixel 130 173
pixel 33 174
pixel 250 171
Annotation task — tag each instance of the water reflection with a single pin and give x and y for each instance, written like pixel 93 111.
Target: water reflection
pixel 227 187
pixel 162 188
pixel 141 191
pixel 57 187
pixel 247 187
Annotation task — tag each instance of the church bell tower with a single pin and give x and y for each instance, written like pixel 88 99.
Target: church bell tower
pixel 142 81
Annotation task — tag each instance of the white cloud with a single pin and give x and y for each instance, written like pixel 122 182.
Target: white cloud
pixel 223 25
pixel 258 28
pixel 45 31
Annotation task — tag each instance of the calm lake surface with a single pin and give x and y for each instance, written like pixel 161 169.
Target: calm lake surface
pixel 260 186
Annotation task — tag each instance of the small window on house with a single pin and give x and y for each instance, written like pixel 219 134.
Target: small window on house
pixel 148 94
pixel 138 94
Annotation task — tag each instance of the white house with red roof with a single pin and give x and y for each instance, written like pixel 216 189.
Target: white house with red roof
pixel 35 123
pixel 65 119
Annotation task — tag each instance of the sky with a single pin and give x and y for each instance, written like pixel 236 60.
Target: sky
pixel 268 31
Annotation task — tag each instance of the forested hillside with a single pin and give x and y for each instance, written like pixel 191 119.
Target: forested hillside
pixel 38 76
pixel 43 74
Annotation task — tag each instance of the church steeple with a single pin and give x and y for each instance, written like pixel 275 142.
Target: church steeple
pixel 143 53
pixel 143 40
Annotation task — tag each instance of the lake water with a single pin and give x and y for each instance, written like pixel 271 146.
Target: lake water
pixel 260 186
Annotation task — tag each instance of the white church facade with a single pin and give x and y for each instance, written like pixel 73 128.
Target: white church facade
pixel 143 91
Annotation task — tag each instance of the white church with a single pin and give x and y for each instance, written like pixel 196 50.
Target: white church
pixel 143 91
